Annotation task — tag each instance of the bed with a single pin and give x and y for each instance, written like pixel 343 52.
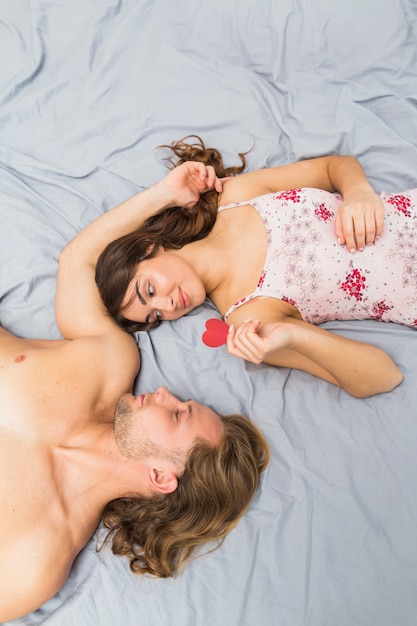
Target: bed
pixel 88 90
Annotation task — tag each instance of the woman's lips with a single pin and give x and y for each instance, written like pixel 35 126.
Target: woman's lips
pixel 185 300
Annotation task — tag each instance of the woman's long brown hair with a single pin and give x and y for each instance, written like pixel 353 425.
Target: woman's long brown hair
pixel 173 228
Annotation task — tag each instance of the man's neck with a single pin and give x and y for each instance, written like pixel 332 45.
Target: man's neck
pixel 92 464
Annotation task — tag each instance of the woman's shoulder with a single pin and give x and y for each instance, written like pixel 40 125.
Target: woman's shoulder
pixel 243 187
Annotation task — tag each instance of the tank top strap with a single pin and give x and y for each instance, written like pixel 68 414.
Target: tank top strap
pixel 232 205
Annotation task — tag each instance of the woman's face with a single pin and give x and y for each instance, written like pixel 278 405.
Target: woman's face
pixel 163 288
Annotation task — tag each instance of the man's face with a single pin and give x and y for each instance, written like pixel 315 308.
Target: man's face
pixel 161 426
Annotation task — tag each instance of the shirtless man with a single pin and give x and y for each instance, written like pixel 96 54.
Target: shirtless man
pixel 61 458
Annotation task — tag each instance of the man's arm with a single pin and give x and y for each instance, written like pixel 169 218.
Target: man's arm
pixel 79 309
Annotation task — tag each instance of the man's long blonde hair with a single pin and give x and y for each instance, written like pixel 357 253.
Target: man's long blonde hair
pixel 159 534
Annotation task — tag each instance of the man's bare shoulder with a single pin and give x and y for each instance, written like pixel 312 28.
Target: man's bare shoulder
pixel 88 374
pixel 29 576
pixel 11 342
pixel 116 348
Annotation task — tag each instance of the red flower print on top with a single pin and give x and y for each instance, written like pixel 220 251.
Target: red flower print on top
pixel 354 284
pixel 402 203
pixel 305 267
pixel 261 280
pixel 289 300
pixel 379 309
pixel 292 194
pixel 322 212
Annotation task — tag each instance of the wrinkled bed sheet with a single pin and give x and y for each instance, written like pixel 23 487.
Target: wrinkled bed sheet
pixel 88 90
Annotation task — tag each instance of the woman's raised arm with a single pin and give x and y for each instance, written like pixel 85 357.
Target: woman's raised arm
pixel 79 310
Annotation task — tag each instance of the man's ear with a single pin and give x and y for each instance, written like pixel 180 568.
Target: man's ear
pixel 162 480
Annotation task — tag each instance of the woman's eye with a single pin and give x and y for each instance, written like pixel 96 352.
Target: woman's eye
pixel 150 290
pixel 158 316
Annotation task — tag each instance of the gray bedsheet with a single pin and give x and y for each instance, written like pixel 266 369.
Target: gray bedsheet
pixel 88 89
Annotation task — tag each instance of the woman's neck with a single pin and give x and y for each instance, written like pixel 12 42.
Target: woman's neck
pixel 209 258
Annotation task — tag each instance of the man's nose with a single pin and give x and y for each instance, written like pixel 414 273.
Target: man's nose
pixel 162 395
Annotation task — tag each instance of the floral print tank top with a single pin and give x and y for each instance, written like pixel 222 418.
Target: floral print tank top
pixel 306 267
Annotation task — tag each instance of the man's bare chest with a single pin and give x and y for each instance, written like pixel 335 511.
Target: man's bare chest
pixel 41 411
pixel 40 521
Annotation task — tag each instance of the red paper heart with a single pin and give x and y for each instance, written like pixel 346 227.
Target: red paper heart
pixel 216 333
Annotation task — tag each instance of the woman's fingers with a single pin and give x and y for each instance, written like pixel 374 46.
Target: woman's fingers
pixel 245 343
pixel 360 222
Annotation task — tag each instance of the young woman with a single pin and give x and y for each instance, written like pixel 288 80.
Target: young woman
pixel 277 252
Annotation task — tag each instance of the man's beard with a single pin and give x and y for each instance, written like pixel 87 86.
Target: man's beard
pixel 125 424
pixel 127 430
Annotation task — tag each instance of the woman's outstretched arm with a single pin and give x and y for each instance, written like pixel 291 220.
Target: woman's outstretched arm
pixel 79 310
pixel 359 368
